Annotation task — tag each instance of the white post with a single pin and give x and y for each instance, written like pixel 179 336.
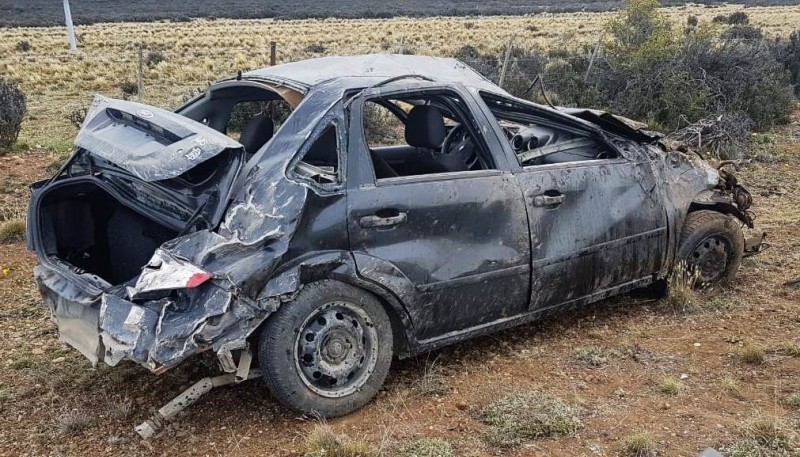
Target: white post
pixel 73 45
pixel 505 60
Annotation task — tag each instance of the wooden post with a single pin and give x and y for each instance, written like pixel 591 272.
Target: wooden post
pixel 402 44
pixel 505 61
pixel 272 53
pixel 594 55
pixel 73 43
pixel 139 88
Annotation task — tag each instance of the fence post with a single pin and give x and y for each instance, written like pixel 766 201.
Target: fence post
pixel 402 44
pixel 505 60
pixel 594 55
pixel 272 53
pixel 73 44
pixel 139 86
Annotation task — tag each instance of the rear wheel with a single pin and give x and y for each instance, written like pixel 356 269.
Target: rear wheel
pixel 712 243
pixel 327 352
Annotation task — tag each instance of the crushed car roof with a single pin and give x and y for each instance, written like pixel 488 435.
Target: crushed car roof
pixel 309 73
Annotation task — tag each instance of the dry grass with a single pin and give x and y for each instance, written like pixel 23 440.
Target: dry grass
pixel 766 436
pixel 594 356
pixel 670 386
pixel 640 445
pixel 424 447
pixel 789 348
pixel 202 50
pixel 793 400
pixel 324 442
pixel 12 231
pixel 680 287
pixel 433 382
pixel 752 353
pixel 527 415
pixel 730 385
pixel 73 422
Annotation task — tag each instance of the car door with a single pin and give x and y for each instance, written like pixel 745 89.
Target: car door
pixel 597 225
pixel 454 246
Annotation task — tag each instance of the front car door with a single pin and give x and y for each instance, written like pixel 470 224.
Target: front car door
pixel 452 245
pixel 597 225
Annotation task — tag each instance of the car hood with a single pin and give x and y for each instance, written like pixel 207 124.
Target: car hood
pixel 618 125
pixel 148 142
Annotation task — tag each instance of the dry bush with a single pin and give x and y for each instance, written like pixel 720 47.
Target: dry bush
pixel 640 445
pixel 324 442
pixel 12 231
pixel 12 111
pixel 766 436
pixel 527 415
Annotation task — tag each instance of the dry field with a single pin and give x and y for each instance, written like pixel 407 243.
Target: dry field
pixel 199 51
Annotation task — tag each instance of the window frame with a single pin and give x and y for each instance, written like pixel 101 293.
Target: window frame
pixel 355 115
pixel 332 118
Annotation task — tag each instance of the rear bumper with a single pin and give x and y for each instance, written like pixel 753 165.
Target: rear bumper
pixel 156 334
pixel 104 328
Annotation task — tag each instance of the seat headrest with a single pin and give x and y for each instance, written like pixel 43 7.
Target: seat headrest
pixel 425 127
pixel 256 133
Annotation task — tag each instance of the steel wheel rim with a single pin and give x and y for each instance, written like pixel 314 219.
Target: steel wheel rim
pixel 710 257
pixel 336 349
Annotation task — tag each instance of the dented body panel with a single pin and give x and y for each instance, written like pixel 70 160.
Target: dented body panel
pixel 476 253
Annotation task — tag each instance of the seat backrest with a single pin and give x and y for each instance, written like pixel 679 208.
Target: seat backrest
pixel 256 133
pixel 425 127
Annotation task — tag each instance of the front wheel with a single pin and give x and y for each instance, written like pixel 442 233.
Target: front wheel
pixel 713 244
pixel 328 351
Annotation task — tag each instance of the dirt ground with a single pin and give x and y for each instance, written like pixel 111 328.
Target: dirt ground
pixel 52 402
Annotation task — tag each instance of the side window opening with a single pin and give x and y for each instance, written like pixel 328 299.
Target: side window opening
pixel 536 142
pixel 320 163
pixel 422 134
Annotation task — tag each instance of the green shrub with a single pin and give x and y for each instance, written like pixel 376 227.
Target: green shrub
pixel 12 112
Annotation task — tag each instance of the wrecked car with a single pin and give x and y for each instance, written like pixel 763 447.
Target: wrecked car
pixel 377 206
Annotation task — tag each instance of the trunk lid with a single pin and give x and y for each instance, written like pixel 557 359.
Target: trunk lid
pixel 150 143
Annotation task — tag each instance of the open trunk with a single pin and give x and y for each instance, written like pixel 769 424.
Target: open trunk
pixel 86 227
pixel 139 177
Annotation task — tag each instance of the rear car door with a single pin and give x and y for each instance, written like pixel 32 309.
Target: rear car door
pixel 452 245
pixel 597 224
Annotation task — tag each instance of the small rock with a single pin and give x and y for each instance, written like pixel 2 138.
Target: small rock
pixel 59 359
pixel 461 406
pixel 37 351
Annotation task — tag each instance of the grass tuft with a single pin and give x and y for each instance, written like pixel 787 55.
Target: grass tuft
pixel 432 382
pixel 680 287
pixel 73 422
pixel 324 442
pixel 527 415
pixel 425 447
pixel 594 356
pixel 671 386
pixel 765 436
pixel 640 445
pixel 752 353
pixel 790 349
pixel 730 385
pixel 793 400
pixel 12 231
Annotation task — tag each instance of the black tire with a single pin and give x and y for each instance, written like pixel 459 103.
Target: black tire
pixel 712 243
pixel 333 324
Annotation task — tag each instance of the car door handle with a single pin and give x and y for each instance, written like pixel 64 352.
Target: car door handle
pixel 549 201
pixel 377 220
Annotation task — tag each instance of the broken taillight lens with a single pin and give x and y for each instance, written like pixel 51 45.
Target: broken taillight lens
pixel 197 279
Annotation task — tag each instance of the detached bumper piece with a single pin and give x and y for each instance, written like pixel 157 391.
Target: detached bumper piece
pixel 755 244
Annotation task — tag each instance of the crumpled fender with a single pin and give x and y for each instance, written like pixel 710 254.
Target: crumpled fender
pixel 720 201
pixel 360 270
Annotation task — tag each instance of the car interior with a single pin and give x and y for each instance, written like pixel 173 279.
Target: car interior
pixel 539 141
pixel 250 114
pixel 422 135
